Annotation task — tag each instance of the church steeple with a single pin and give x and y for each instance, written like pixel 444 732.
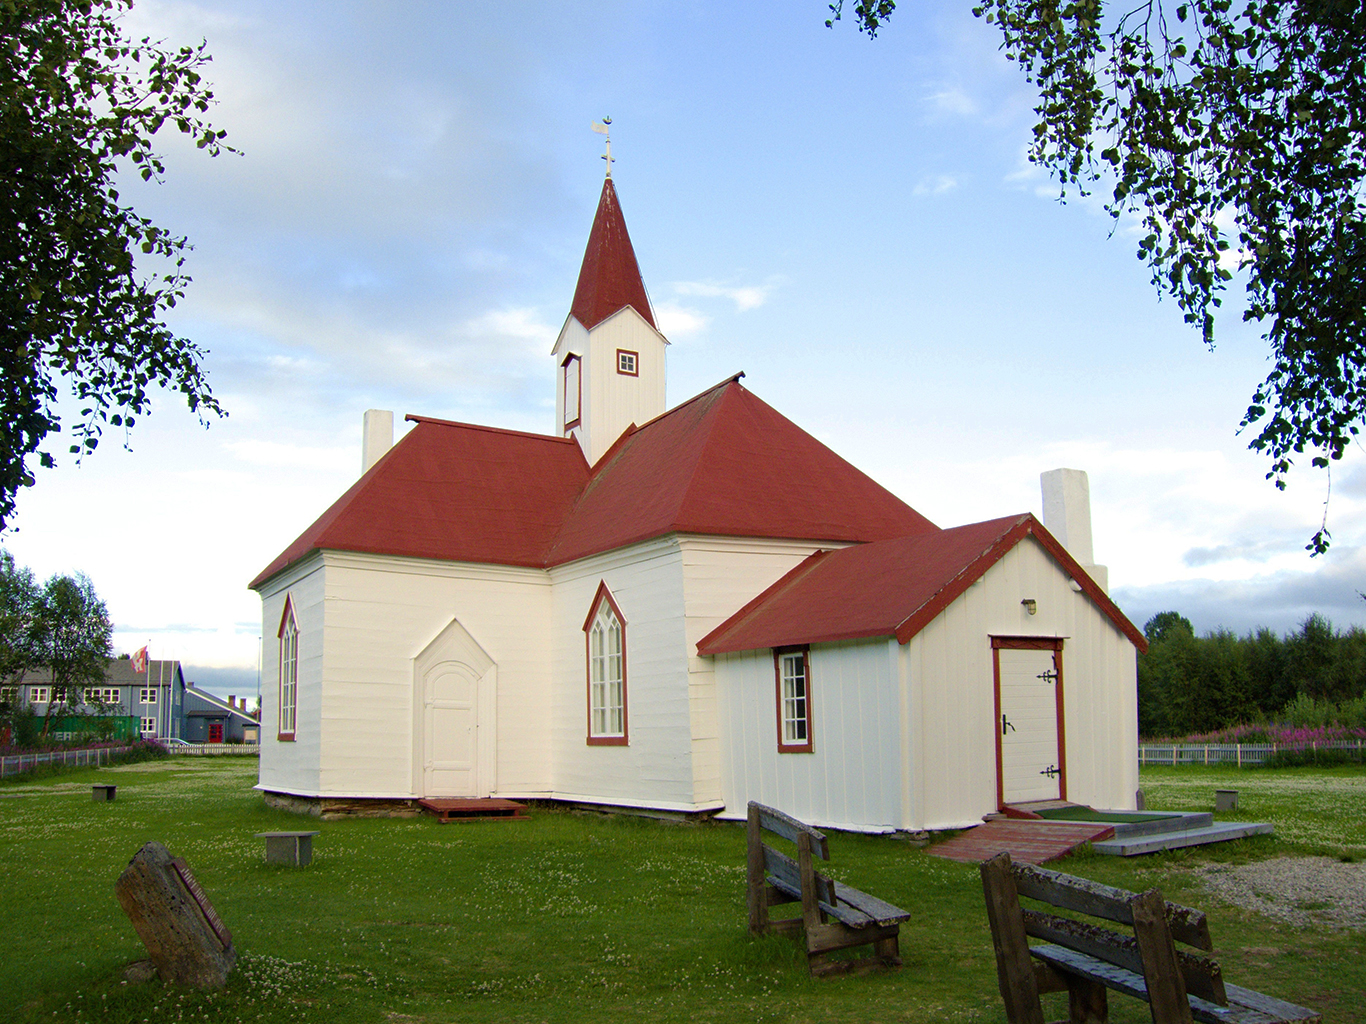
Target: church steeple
pixel 609 357
pixel 610 277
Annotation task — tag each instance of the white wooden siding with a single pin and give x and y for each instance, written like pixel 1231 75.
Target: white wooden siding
pixel 382 612
pixel 611 401
pixel 292 767
pixel 720 576
pixel 850 780
pixel 655 768
pixel 948 676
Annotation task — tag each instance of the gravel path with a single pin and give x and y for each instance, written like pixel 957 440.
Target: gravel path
pixel 1301 891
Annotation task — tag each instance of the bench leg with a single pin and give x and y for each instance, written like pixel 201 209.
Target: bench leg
pixel 756 896
pixel 1087 1002
pixel 889 950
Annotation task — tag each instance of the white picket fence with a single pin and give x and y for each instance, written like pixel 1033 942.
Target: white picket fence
pixel 217 749
pixel 1232 753
pixel 14 764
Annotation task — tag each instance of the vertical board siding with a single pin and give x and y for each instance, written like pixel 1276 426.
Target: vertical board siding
pixel 849 780
pixel 720 576
pixel 655 768
pixel 293 766
pixel 381 614
pixel 954 773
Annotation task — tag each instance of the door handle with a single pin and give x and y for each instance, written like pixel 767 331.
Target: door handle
pixel 1051 771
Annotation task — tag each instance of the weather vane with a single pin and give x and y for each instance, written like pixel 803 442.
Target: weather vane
pixel 601 127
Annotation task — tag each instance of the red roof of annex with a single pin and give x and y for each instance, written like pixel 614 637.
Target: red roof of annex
pixel 890 588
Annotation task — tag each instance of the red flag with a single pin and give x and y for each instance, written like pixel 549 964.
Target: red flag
pixel 140 661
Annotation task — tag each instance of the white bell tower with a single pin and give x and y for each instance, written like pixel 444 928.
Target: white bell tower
pixel 609 357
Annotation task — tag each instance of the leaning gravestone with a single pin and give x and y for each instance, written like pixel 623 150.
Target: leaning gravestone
pixel 187 941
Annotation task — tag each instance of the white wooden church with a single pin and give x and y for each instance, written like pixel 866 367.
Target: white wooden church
pixel 682 610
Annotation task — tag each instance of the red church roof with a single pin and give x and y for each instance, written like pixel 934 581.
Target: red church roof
pixel 453 492
pixel 723 463
pixel 727 463
pixel 890 588
pixel 610 277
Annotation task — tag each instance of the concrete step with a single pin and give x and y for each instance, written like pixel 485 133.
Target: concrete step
pixel 1177 822
pixel 1133 845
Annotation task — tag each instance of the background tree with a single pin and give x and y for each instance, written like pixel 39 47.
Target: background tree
pixel 1195 110
pixel 78 101
pixel 20 598
pixel 73 640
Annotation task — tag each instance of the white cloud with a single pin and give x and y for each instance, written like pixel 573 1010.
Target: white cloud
pixel 277 454
pixel 934 185
pixel 677 321
pixel 953 100
pixel 745 297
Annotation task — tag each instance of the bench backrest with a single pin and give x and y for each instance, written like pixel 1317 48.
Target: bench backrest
pixel 1149 950
pixel 809 841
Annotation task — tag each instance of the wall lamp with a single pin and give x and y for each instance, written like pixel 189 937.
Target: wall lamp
pixel 1030 605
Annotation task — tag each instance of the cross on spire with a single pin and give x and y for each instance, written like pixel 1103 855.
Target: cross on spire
pixel 601 127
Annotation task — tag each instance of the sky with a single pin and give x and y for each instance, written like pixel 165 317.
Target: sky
pixel 851 222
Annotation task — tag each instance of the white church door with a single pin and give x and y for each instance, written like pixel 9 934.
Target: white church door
pixel 454 693
pixel 1030 758
pixel 451 730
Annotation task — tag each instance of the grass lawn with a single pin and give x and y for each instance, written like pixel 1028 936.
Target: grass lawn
pixel 572 917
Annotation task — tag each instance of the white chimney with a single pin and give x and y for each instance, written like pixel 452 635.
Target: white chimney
pixel 1067 516
pixel 377 437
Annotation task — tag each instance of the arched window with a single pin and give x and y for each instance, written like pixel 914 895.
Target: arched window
pixel 606 640
pixel 289 672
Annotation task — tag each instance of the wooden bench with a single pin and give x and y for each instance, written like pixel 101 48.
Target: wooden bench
pixel 1085 959
pixel 775 878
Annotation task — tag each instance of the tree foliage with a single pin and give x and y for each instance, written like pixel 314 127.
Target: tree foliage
pixel 72 639
pixel 79 101
pixel 61 628
pixel 1234 130
pixel 1189 684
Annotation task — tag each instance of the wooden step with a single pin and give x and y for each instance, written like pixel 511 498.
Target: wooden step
pixel 448 809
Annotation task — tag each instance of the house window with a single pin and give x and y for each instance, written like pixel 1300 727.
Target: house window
pixel 569 374
pixel 37 694
pixel 606 629
pixel 628 363
pixel 149 695
pixel 149 727
pixel 102 695
pixel 792 667
pixel 9 694
pixel 289 671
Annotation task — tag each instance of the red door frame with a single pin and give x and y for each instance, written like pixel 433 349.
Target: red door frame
pixel 215 732
pixel 1028 643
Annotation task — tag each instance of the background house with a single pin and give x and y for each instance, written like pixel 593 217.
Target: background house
pixel 151 704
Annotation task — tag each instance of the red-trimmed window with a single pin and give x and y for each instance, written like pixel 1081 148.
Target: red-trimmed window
pixel 606 639
pixel 792 672
pixel 628 363
pixel 572 385
pixel 289 672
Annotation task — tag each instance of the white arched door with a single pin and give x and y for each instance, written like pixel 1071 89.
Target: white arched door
pixel 454 720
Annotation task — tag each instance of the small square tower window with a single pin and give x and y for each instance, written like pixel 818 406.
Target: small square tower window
pixel 628 363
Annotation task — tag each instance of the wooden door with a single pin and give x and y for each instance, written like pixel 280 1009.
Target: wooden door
pixel 450 730
pixel 1029 733
pixel 215 732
